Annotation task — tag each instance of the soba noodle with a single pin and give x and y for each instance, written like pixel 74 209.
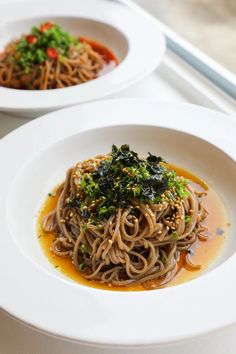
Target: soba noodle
pixel 49 69
pixel 135 244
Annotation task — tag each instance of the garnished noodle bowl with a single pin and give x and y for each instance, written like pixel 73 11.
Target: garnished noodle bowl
pixel 50 58
pixel 123 220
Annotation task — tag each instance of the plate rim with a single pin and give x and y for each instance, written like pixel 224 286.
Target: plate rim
pixel 131 104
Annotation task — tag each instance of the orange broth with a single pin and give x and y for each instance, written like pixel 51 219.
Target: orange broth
pixel 110 60
pixel 204 252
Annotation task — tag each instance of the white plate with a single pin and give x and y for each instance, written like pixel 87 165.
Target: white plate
pixel 138 44
pixel 35 157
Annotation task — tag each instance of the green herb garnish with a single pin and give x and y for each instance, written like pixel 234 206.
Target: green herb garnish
pixel 123 177
pixel 45 42
pixel 164 258
pixel 178 184
pixel 83 248
pixel 82 267
pixel 85 227
pixel 174 235
pixel 187 218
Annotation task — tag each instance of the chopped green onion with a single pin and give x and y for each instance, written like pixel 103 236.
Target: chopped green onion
pixel 174 235
pixel 187 218
pixel 83 248
pixel 82 267
pixel 33 49
pixel 164 258
pixel 83 182
pixel 84 227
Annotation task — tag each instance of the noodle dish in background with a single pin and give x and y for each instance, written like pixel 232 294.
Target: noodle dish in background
pixel 49 58
pixel 56 56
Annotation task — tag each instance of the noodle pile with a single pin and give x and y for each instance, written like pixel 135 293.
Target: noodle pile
pixel 135 244
pixel 24 65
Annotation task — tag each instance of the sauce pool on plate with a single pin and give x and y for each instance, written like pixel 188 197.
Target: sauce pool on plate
pixel 203 252
pixel 110 60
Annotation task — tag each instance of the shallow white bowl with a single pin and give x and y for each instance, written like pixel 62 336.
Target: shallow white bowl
pixel 138 44
pixel 36 156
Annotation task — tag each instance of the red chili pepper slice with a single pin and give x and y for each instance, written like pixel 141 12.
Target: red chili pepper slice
pixel 52 53
pixel 31 39
pixel 46 26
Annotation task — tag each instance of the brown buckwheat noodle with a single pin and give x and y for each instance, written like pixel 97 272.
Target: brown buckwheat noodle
pixel 126 249
pixel 81 65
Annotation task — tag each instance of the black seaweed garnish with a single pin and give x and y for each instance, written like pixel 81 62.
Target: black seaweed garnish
pixel 121 178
